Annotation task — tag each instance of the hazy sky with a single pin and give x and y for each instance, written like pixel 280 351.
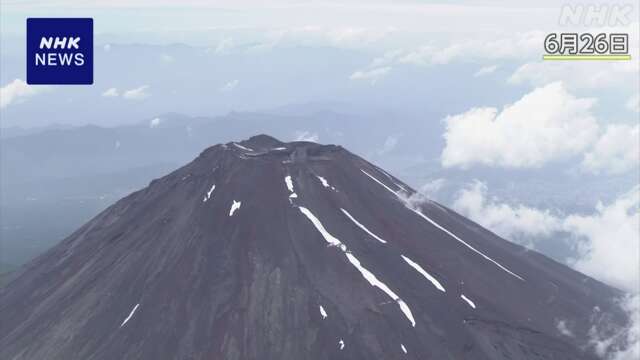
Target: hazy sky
pixel 406 16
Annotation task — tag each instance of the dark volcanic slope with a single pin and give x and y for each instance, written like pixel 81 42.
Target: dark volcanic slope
pixel 269 250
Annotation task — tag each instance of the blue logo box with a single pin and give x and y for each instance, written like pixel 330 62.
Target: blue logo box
pixel 59 51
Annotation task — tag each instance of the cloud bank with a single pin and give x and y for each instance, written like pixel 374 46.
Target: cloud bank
pixel 510 222
pixel 544 125
pixel 607 241
pixel 616 151
pixel 373 75
pixel 17 91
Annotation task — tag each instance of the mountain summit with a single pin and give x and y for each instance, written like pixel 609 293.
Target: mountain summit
pixel 268 250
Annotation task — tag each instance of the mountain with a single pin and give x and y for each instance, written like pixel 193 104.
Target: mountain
pixel 268 250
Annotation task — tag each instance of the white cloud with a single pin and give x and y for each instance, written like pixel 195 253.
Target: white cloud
pixel 107 47
pixel 576 75
pixel 390 143
pixel 616 151
pixel 609 241
pixel 168 59
pixel 485 70
pixel 430 191
pixel 547 124
pixel 632 333
pixel 138 93
pixel 356 36
pixel 306 136
pixel 516 222
pixel 17 91
pixel 563 328
pixel 517 46
pixel 154 123
pixel 230 86
pixel 431 188
pixel 372 75
pixel 224 45
pixel 111 92
pixel 611 341
pixel 633 103
pixel 312 35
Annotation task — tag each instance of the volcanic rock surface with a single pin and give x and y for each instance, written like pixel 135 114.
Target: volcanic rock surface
pixel 269 250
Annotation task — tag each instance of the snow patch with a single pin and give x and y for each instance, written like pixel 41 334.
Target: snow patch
pixel 468 301
pixel 323 313
pixel 242 147
pixel 235 206
pixel 441 227
pixel 404 349
pixel 424 273
pixel 208 196
pixel 341 344
pixel 325 183
pixel 368 275
pixel 130 315
pixel 279 148
pixel 363 227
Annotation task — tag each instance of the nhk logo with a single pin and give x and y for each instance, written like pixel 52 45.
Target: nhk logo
pixel 60 51
pixel 56 58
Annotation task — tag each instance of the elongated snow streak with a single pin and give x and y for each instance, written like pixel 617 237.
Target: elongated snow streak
pixel 380 182
pixel 289 183
pixel 213 187
pixel 279 148
pixel 424 273
pixel 370 277
pixel 242 147
pixel 404 349
pixel 468 301
pixel 130 315
pixel 443 229
pixel 328 237
pixel 363 227
pixel 341 344
pixel 384 172
pixel 323 313
pixel 235 206
pixel 392 180
pixel 463 242
pixel 401 187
